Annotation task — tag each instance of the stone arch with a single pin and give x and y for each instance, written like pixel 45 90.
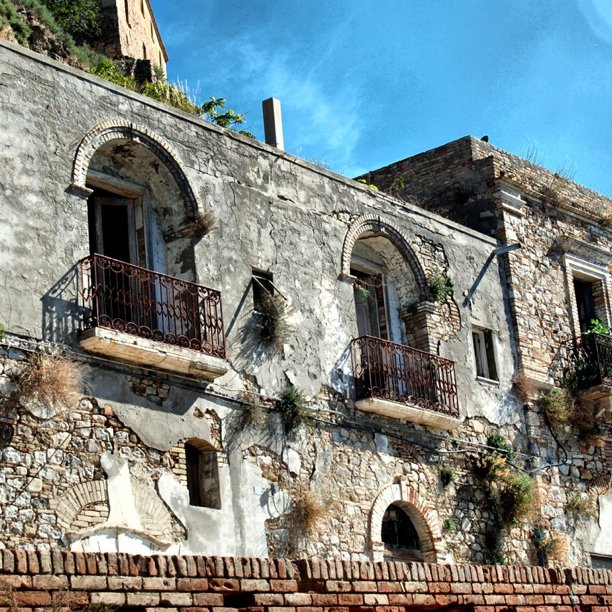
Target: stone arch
pixel 120 130
pixel 373 223
pixel 423 517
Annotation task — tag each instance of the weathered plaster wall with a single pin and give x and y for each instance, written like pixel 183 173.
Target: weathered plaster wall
pixel 272 212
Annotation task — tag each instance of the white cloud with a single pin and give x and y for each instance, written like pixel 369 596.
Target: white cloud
pixel 321 119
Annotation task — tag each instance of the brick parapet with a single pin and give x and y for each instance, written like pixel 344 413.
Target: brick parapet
pixel 34 579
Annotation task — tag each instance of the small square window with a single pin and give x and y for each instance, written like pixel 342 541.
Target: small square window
pixel 263 290
pixel 484 354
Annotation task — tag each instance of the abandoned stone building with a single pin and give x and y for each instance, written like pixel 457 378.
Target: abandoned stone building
pixel 129 30
pixel 212 347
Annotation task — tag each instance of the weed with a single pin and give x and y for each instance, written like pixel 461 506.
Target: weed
pixel 524 387
pixel 51 380
pixel 203 223
pixel 2 331
pixel 272 318
pixel 517 496
pixel 447 475
pixel 292 406
pixel 370 185
pixel 448 525
pixel 581 507
pixel 440 286
pixel 307 511
pixel 550 547
pixel 558 406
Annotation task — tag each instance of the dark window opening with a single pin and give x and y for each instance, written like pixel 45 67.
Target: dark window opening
pixel 202 477
pixel 263 290
pixel 398 533
pixel 585 302
pixel 484 354
pixel 370 304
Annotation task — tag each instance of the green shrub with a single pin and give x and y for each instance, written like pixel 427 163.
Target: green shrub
pixel 448 525
pixel 558 406
pixel 517 496
pixel 440 286
pixel 78 18
pixel 10 20
pixel 447 475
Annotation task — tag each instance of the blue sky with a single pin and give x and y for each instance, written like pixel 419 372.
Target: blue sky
pixel 365 83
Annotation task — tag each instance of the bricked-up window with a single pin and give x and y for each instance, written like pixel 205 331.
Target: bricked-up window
pixel 484 354
pixel 398 533
pixel 202 477
pixel 263 290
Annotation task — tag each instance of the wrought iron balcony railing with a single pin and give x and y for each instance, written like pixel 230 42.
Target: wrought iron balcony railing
pixel 398 373
pixel 589 361
pixel 119 296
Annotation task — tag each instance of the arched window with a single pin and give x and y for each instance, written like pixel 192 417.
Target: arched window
pixel 399 535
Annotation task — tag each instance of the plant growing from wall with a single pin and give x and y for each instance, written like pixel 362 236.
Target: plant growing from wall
pixel 440 286
pixel 293 408
pixel 272 324
pixel 558 406
pixel 2 331
pixel 511 492
pixel 550 547
pixel 581 507
pixel 51 380
pixel 447 475
pixel 448 525
pixel 367 184
pixel 307 512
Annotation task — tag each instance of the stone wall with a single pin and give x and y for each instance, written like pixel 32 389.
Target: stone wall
pixel 129 29
pixel 39 580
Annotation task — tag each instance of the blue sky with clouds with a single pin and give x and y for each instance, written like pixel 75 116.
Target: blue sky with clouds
pixel 365 83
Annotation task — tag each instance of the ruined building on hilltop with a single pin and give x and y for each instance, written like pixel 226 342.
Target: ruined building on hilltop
pixel 213 347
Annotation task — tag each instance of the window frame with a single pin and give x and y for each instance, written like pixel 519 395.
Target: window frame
pixel 485 354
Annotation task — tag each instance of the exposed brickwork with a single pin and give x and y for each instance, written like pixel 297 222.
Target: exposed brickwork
pixel 190 583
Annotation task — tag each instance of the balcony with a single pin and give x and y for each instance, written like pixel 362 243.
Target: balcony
pixel 405 383
pixel 590 372
pixel 151 319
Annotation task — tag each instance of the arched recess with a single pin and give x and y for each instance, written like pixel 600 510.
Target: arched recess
pixel 423 517
pixel 121 130
pixel 373 225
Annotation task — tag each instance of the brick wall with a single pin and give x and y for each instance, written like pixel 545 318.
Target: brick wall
pixel 62 580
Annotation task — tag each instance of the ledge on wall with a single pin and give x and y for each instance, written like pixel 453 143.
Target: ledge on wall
pixel 151 353
pixel 408 412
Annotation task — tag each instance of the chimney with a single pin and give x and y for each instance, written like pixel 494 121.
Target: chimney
pixel 273 123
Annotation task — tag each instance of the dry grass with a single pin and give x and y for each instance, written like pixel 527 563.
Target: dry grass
pixel 307 512
pixel 581 507
pixel 203 223
pixel 525 388
pixel 559 406
pixel 557 549
pixel 52 380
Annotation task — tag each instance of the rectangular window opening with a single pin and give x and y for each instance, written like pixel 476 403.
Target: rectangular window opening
pixel 263 290
pixel 202 477
pixel 484 354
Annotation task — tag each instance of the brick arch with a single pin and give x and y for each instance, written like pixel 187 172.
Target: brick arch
pixel 120 130
pixel 423 517
pixel 373 223
pixel 70 504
